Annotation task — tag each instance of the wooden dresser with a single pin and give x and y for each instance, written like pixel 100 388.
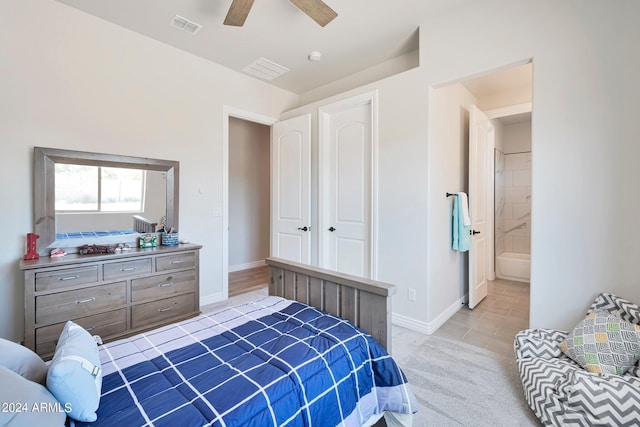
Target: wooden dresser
pixel 111 295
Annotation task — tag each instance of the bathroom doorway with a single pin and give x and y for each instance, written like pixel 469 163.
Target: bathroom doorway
pixel 505 97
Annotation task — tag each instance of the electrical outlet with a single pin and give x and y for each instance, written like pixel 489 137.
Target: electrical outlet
pixel 217 212
pixel 412 294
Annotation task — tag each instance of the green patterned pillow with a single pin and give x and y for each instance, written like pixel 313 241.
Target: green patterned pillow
pixel 603 343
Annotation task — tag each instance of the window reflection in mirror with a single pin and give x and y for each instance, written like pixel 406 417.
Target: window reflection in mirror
pixel 154 192
pixel 81 188
pixel 106 197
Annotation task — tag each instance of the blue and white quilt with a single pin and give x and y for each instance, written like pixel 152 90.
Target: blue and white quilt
pixel 270 362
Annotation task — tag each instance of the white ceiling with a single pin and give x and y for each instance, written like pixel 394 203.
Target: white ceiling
pixel 365 33
pixel 506 80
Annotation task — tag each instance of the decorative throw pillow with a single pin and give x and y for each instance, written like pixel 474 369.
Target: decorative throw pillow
pixel 22 361
pixel 27 403
pixel 75 376
pixel 603 343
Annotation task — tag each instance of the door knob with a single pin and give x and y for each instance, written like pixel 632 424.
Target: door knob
pixel 305 228
pixel 331 229
pixel 474 232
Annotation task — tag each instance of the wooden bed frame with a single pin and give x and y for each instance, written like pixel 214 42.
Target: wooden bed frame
pixel 364 302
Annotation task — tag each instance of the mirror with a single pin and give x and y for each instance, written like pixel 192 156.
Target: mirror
pixel 159 173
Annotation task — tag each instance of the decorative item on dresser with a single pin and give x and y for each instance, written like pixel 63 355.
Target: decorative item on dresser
pixel 111 295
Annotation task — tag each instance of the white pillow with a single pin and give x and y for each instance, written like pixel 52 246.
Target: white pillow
pixel 75 375
pixel 22 361
pixel 27 403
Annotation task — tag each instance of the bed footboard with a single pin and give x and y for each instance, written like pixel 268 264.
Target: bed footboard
pixel 365 303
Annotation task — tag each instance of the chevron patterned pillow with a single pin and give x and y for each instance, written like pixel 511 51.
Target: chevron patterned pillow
pixel 603 343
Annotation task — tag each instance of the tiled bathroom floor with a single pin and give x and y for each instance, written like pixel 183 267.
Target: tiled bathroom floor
pixel 494 322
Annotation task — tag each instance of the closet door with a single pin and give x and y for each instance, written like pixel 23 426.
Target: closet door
pixel 291 189
pixel 347 186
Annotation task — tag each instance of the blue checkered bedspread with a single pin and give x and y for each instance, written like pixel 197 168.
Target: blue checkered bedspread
pixel 270 362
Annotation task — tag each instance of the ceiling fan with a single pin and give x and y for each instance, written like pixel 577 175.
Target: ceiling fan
pixel 316 9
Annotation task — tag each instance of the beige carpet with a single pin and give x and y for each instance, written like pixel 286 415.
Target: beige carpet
pixel 457 384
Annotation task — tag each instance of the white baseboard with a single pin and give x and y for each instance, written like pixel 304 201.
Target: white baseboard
pixel 445 315
pixel 212 299
pixel 427 327
pixel 246 266
pixel 410 323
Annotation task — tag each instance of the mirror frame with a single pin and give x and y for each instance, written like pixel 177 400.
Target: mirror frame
pixel 44 210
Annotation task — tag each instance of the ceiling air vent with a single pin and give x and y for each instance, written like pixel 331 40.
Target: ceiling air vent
pixel 185 25
pixel 265 69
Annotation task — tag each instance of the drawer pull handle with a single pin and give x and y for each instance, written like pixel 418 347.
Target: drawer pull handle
pixel 165 285
pixel 62 279
pixel 83 301
pixel 177 261
pixel 128 269
pixel 162 310
pixel 91 328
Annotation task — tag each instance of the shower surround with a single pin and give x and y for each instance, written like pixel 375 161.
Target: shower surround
pixel 513 215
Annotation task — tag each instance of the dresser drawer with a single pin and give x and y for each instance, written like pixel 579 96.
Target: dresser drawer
pixel 64 278
pixel 162 310
pixel 163 286
pixel 172 262
pixel 104 325
pixel 63 306
pixel 119 270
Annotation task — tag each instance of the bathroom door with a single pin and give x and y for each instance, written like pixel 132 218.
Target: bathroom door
pixel 481 134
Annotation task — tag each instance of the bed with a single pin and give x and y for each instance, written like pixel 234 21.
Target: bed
pixel 303 356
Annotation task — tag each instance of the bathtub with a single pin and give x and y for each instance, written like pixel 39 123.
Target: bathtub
pixel 513 266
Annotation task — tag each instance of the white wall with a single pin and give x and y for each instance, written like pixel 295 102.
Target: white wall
pixel 249 193
pixel 69 80
pixel 584 138
pixel 449 156
pixel 517 137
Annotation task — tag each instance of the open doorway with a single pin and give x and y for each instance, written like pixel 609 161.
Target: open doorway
pixel 504 97
pixel 249 205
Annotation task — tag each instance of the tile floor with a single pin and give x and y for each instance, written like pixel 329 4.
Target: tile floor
pixel 494 322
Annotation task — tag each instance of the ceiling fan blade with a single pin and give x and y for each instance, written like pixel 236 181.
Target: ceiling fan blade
pixel 238 12
pixel 317 10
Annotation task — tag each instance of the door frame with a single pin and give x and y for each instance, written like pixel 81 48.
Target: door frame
pixel 227 113
pixel 324 111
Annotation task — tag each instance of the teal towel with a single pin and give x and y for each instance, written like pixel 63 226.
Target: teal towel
pixel 461 233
